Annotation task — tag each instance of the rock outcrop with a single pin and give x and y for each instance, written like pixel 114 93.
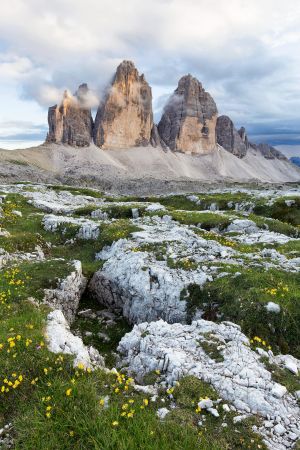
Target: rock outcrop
pixel 67 294
pixel 228 137
pixel 237 143
pixel 234 370
pixel 145 288
pixel 124 119
pixel 71 122
pixel 268 151
pixel 244 137
pixel 61 340
pixel 189 120
pixel 155 139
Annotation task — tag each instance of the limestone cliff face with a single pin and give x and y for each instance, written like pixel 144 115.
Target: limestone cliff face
pixel 71 122
pixel 189 120
pixel 235 142
pixel 124 119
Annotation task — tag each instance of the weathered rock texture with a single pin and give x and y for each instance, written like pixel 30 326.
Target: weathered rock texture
pixel 268 151
pixel 228 137
pixel 244 137
pixel 155 139
pixel 237 143
pixel 61 340
pixel 239 375
pixel 145 288
pixel 189 120
pixel 71 122
pixel 67 295
pixel 124 119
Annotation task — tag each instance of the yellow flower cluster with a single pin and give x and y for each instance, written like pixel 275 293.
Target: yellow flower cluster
pixel 11 344
pixel 12 282
pixel 280 290
pixel 122 383
pixel 48 408
pixel 8 209
pixel 220 239
pixel 12 382
pixel 257 340
pixel 187 264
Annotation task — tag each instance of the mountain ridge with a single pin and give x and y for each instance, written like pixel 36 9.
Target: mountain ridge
pixel 189 123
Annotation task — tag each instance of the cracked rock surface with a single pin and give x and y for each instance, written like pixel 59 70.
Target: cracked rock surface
pixel 67 294
pixel 239 375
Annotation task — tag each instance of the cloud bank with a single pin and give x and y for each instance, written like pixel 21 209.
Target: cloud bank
pixel 245 53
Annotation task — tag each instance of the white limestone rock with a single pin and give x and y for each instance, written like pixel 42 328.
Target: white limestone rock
pixel 162 412
pixel 243 226
pixel 87 229
pixel 17 213
pixel 273 307
pixel 155 207
pixel 241 378
pixel 61 340
pixel 288 362
pixel 67 294
pixel 144 288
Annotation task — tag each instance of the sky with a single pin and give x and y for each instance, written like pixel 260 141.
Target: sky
pixel 245 53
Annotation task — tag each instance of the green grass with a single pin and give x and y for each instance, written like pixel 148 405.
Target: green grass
pixel 27 232
pixel 85 210
pixel 291 249
pixel 222 201
pixel 210 346
pixel 205 220
pixel 77 191
pixel 235 436
pixel 34 277
pixel 242 300
pixel 283 376
pixel 275 225
pixel 279 210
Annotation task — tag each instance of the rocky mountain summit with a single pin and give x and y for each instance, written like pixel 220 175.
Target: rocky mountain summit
pixel 268 151
pixel 235 142
pixel 124 119
pixel 71 122
pixel 189 120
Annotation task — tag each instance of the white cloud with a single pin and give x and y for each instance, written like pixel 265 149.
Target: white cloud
pixel 246 53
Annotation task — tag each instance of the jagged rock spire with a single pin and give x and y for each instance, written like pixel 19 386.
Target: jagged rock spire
pixel 71 122
pixel 189 119
pixel 235 142
pixel 124 119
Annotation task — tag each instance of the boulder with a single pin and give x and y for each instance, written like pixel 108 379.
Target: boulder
pixel 71 122
pixel 124 118
pixel 189 120
pixel 235 142
pixel 233 369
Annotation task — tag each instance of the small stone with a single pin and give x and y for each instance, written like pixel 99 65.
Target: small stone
pixel 278 390
pixel 162 412
pixel 279 429
pixel 205 403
